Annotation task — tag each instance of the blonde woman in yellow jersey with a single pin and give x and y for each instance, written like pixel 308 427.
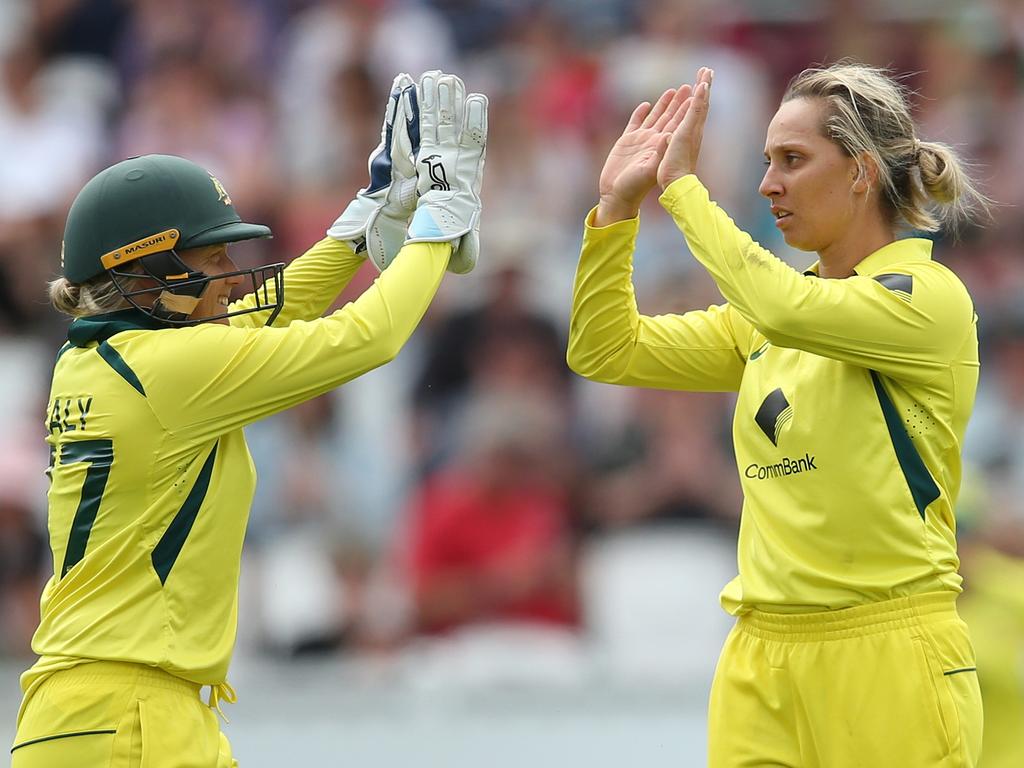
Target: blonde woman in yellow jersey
pixel 151 477
pixel 855 380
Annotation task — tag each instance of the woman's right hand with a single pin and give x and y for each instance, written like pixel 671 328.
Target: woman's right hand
pixel 631 169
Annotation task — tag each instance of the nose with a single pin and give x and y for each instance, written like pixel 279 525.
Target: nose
pixel 770 185
pixel 227 265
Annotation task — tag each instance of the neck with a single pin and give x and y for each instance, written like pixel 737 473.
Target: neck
pixel 838 259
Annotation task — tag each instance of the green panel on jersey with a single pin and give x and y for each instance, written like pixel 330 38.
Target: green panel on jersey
pixel 166 552
pixel 99 328
pixel 99 455
pixel 922 486
pixel 122 368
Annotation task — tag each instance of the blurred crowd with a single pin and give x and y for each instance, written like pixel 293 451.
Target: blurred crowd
pixel 475 480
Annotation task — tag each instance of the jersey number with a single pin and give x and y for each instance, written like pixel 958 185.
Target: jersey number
pixel 99 455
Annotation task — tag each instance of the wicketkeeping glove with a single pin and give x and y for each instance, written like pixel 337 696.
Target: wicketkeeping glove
pixel 376 221
pixel 449 167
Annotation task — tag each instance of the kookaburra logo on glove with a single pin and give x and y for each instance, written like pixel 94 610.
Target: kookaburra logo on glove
pixel 437 174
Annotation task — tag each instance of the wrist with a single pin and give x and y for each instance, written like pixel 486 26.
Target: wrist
pixel 610 211
pixel 668 181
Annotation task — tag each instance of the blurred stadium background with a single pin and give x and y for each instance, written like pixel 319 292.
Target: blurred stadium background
pixel 472 556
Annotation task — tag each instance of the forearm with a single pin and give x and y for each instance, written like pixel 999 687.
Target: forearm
pixel 383 318
pixel 604 316
pixel 610 341
pixel 241 375
pixel 757 284
pixel 857 319
pixel 312 282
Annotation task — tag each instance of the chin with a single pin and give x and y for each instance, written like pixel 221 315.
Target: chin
pixel 794 240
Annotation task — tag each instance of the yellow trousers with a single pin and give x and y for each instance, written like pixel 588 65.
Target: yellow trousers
pixel 885 685
pixel 117 715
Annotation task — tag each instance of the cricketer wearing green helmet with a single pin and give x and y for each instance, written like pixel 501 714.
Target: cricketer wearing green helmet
pixel 132 219
pixel 151 480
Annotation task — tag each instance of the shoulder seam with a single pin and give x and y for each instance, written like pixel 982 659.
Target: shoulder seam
pixel 112 358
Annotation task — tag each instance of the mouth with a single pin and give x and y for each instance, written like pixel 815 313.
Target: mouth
pixel 781 216
pixel 223 301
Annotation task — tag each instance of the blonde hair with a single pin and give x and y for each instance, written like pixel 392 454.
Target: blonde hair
pixel 93 297
pixel 867 113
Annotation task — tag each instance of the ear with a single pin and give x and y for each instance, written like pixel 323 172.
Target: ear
pixel 864 173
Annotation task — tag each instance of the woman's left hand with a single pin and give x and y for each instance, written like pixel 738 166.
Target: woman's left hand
pixel 680 158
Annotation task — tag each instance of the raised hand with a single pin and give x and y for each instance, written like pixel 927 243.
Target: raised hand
pixel 449 167
pixel 375 221
pixel 680 158
pixel 630 171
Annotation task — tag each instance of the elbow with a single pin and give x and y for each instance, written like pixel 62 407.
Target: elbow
pixel 775 323
pixel 600 351
pixel 383 349
pixel 580 361
pixel 590 365
pixel 390 349
pixel 576 360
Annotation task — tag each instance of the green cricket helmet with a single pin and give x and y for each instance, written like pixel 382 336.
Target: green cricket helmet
pixel 141 212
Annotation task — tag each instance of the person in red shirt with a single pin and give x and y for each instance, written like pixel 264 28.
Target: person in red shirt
pixel 489 538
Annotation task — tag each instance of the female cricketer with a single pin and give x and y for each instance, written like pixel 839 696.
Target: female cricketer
pixel 151 480
pixel 855 380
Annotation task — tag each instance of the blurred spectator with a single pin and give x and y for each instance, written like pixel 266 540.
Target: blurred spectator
pixel 81 27
pixel 314 550
pixel 22 558
pixel 336 57
pixel 181 106
pixel 488 540
pixel 23 550
pixel 657 456
pixel 502 344
pixel 52 154
pixel 229 37
pixel 672 41
pixel 995 435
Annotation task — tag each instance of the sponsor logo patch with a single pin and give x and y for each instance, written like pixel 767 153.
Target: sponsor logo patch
pixel 787 466
pixel 775 412
pixel 438 177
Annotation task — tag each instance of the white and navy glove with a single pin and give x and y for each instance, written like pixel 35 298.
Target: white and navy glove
pixel 377 220
pixel 449 167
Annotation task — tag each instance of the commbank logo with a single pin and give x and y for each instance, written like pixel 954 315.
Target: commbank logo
pixel 775 412
pixel 782 468
pixel 438 177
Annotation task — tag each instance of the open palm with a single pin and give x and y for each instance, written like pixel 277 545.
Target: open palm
pixel 631 169
pixel 680 159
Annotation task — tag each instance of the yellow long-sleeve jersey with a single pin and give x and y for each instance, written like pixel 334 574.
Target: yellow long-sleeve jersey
pixel 151 479
pixel 853 399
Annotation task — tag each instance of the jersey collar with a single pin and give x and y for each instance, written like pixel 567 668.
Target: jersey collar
pixel 101 327
pixel 909 249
